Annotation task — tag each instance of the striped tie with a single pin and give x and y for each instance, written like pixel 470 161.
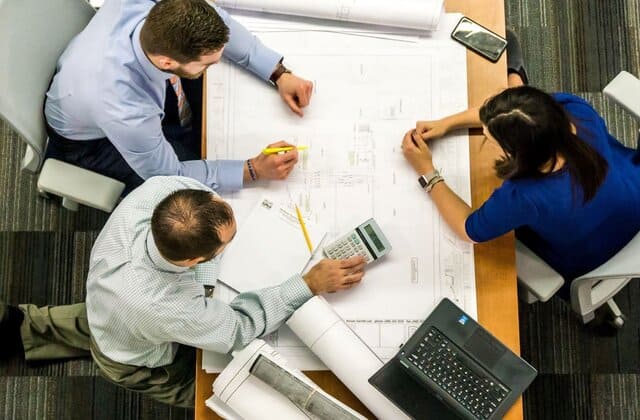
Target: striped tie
pixel 184 110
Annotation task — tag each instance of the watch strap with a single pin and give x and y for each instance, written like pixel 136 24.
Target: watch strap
pixel 278 72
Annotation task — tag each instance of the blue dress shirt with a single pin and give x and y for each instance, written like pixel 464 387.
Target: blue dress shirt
pixel 105 86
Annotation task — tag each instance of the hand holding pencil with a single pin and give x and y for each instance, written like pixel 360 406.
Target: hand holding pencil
pixel 273 164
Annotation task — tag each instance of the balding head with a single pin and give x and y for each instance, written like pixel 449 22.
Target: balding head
pixel 186 225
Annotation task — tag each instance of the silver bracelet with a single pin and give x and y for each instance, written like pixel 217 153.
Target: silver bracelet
pixel 433 182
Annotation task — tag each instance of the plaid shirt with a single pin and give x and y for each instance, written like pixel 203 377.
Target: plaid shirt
pixel 140 306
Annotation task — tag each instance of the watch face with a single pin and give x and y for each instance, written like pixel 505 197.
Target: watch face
pixel 423 182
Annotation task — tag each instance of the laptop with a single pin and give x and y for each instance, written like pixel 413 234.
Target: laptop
pixel 452 368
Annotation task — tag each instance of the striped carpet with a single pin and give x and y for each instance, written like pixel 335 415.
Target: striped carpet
pixel 585 373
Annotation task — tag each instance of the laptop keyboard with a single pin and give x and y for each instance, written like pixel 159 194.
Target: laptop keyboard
pixel 441 361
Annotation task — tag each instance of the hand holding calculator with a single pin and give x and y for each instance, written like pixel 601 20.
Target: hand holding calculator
pixel 366 239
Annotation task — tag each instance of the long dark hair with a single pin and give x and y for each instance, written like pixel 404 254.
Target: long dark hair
pixel 532 129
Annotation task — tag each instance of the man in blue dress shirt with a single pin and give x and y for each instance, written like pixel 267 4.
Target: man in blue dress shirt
pixel 115 105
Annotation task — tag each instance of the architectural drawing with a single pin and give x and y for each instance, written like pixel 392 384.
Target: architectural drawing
pixel 367 93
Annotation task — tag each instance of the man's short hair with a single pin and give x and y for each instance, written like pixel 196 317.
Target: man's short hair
pixel 185 224
pixel 183 30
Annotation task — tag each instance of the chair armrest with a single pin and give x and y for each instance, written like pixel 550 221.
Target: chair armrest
pixel 79 185
pixel 625 90
pixel 593 289
pixel 535 275
pixel 626 263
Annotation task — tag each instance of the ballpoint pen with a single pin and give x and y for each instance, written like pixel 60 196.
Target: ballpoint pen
pixel 272 150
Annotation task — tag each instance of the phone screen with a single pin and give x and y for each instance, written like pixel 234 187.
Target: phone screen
pixel 479 39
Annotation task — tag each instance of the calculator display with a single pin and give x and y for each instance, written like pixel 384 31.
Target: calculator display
pixel 374 238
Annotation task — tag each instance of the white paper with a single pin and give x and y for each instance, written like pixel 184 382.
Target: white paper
pixel 269 247
pixel 415 14
pixel 369 89
pixel 348 357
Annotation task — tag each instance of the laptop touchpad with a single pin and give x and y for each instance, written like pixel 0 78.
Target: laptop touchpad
pixel 485 348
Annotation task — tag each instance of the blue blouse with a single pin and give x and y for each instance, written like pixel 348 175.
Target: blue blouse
pixel 571 236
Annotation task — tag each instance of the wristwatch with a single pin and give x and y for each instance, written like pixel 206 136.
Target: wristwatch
pixel 278 72
pixel 427 181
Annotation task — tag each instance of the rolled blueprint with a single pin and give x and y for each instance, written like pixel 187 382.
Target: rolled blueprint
pixel 240 394
pixel 348 357
pixel 303 395
pixel 413 14
pixel 246 396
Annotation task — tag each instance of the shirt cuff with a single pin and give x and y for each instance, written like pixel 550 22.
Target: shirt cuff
pixel 230 175
pixel 265 60
pixel 295 291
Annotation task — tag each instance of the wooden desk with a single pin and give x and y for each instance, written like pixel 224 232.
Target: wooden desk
pixel 494 261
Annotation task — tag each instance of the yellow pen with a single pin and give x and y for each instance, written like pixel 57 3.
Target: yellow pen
pixel 304 230
pixel 272 150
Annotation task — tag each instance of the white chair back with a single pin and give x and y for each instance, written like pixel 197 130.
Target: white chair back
pixel 33 34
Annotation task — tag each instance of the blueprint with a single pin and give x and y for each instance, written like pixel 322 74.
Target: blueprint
pixel 417 14
pixel 369 89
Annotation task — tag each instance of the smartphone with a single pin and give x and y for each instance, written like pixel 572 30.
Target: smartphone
pixel 479 39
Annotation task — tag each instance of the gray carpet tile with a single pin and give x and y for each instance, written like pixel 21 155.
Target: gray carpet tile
pixel 584 397
pixel 576 45
pixel 554 340
pixel 617 396
pixel 44 267
pixel 558 397
pixel 81 398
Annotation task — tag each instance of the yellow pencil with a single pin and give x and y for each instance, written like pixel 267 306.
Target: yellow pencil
pixel 272 150
pixel 304 229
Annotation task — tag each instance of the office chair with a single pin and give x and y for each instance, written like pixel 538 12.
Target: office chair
pixel 538 281
pixel 33 34
pixel 625 90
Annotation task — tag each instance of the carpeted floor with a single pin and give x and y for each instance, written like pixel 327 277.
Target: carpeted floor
pixel 585 373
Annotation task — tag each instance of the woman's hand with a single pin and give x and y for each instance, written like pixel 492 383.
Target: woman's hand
pixel 431 130
pixel 417 152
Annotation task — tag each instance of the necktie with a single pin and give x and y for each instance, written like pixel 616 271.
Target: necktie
pixel 184 110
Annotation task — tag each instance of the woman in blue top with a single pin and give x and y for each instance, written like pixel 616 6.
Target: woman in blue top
pixel 571 191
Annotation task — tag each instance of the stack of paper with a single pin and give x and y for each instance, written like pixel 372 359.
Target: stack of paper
pixel 269 247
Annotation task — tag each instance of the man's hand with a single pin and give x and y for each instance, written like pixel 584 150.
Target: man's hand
pixel 277 165
pixel 329 276
pixel 417 152
pixel 296 92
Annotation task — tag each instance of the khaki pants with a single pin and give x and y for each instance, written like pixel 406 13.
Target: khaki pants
pixel 62 332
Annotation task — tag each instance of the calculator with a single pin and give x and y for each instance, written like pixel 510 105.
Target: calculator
pixel 366 240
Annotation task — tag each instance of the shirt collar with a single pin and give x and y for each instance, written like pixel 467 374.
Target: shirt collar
pixel 158 259
pixel 149 69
